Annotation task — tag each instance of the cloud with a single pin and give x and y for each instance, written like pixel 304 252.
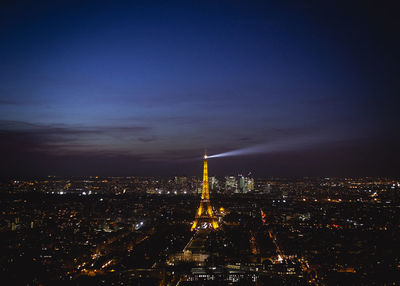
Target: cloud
pixel 147 139
pixel 18 136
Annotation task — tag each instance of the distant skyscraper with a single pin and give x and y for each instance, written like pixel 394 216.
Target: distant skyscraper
pixel 246 184
pixel 231 183
pixel 251 184
pixel 242 180
pixel 213 183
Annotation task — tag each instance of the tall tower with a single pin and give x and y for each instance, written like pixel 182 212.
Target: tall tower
pixel 204 215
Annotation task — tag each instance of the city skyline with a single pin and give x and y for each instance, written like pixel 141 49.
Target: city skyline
pixel 186 143
pixel 102 231
pixel 143 88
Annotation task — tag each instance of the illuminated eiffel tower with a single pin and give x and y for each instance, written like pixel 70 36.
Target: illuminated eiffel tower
pixel 204 216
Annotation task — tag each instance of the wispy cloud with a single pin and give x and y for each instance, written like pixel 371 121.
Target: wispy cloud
pixel 18 136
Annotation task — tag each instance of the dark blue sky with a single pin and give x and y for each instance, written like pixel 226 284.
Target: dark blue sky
pixel 124 89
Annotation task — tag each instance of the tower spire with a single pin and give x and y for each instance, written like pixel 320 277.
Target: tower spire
pixel 204 215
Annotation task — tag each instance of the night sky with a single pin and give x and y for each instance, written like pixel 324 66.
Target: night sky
pixel 143 87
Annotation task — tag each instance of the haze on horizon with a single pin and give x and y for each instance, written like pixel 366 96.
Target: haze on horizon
pixel 140 88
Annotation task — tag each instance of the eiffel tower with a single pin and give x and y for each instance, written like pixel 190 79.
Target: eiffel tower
pixel 204 216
